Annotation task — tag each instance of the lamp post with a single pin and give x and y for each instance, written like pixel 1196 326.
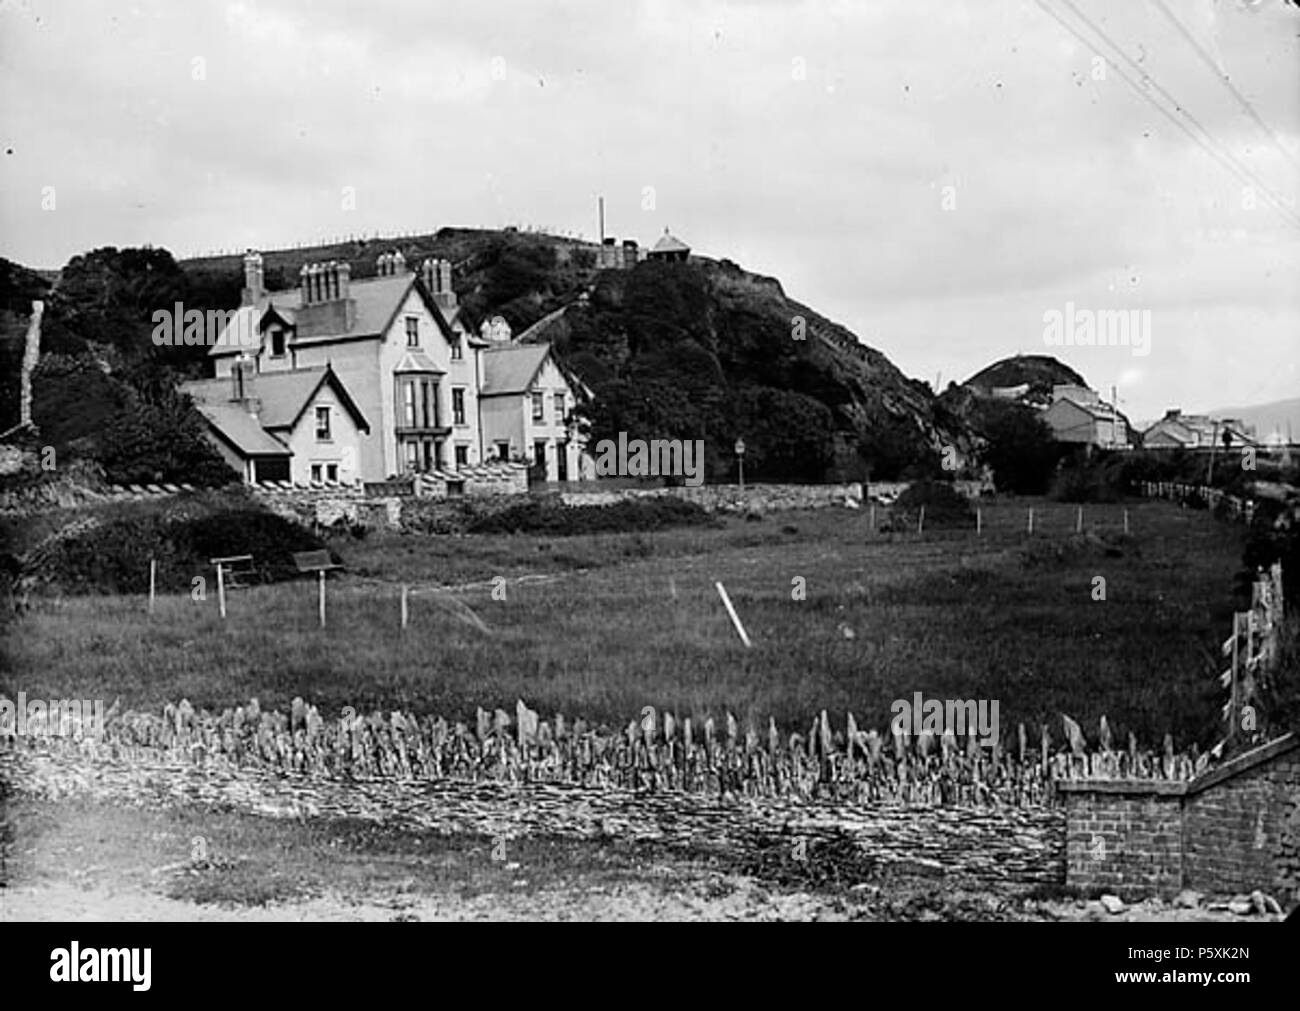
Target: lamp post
pixel 740 461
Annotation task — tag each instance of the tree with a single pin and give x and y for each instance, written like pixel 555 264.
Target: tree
pixel 788 437
pixel 160 440
pixel 1019 446
pixel 109 296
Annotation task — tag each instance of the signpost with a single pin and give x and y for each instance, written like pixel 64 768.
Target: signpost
pixel 320 563
pixel 233 564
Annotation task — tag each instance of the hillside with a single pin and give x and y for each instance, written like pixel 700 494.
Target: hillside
pixel 1039 372
pixel 703 350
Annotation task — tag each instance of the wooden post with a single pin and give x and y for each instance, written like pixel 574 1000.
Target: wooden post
pixel 873 517
pixel 1078 523
pixel 405 609
pixel 321 573
pixel 740 629
pixel 920 521
pixel 979 522
pixel 1126 522
pixel 1232 700
pixel 153 581
pixel 221 591
pixel 1031 519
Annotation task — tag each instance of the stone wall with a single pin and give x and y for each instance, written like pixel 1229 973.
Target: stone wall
pixel 1234 828
pixel 729 497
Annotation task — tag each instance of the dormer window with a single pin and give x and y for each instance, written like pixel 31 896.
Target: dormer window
pixel 412 331
pixel 457 348
pixel 277 343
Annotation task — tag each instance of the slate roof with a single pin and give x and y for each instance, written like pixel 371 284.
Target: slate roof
pixel 512 369
pixel 235 426
pixel 377 301
pixel 1103 412
pixel 416 360
pixel 670 244
pixel 284 397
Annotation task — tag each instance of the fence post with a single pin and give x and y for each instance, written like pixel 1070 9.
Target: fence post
pixel 1078 523
pixel 405 610
pixel 740 629
pixel 920 521
pixel 321 573
pixel 1126 522
pixel 873 517
pixel 1232 696
pixel 221 591
pixel 1031 519
pixel 979 522
pixel 153 578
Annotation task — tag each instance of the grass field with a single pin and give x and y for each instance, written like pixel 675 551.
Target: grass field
pixel 628 621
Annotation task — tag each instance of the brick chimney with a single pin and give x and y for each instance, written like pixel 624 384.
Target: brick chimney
pixel 244 387
pixel 446 295
pixel 254 287
pixel 429 274
pixel 327 304
pixel 399 263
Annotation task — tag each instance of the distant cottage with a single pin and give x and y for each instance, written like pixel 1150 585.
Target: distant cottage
pixel 1177 430
pixel 670 249
pixel 1077 414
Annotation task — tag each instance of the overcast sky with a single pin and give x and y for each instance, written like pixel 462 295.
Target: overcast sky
pixel 934 175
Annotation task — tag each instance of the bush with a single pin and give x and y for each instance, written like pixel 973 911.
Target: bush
pixel 945 507
pixel 114 557
pixel 540 516
pixel 1081 479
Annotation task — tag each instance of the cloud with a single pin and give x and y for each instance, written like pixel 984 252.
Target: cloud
pixel 932 174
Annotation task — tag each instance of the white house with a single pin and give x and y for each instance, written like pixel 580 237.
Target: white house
pixel 399 346
pixel 527 403
pixel 421 391
pixel 299 425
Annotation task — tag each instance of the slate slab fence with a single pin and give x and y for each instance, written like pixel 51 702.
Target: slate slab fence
pixel 657 753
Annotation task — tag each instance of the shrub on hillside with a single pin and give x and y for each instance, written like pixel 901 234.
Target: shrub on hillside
pixel 945 507
pixel 1080 479
pixel 114 557
pixel 538 516
pixel 1274 537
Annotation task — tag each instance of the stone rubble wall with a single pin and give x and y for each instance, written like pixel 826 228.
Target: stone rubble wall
pixel 730 497
pixel 663 754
